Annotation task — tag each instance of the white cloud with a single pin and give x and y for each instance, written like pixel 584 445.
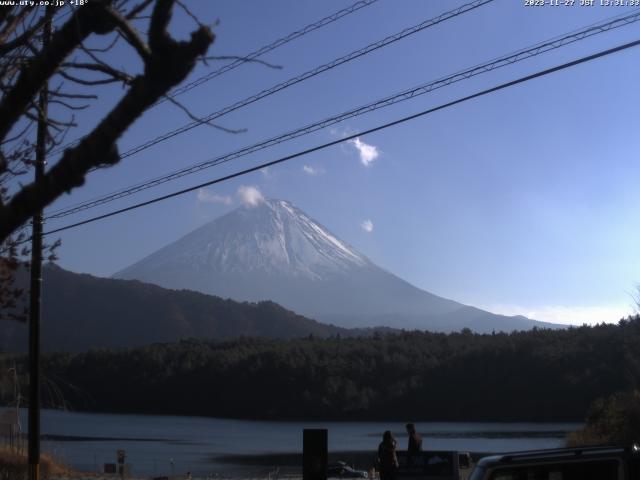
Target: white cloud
pixel 309 170
pixel 206 196
pixel 367 226
pixel 569 315
pixel 368 153
pixel 250 196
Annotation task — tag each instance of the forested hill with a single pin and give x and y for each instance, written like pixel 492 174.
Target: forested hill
pixel 540 375
pixel 82 311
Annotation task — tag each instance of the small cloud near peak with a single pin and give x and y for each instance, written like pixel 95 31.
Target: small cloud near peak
pixel 367 226
pixel 368 153
pixel 250 196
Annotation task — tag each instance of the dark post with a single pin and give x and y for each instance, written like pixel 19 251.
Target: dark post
pixel 36 282
pixel 314 454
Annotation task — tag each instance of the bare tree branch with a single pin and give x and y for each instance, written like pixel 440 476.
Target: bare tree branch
pixel 5 11
pixel 69 105
pixel 81 81
pixel 106 48
pixel 201 120
pixel 170 61
pixel 130 34
pixel 28 33
pixel 74 95
pixel 86 20
pixel 12 23
pixel 17 136
pixel 133 13
pixel 190 13
pixel 102 68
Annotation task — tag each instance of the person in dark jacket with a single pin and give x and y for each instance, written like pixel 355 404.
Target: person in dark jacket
pixel 387 458
pixel 415 444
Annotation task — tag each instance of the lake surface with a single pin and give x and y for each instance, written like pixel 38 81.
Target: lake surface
pixel 159 444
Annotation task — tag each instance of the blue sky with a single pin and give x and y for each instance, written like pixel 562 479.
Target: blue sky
pixel 524 201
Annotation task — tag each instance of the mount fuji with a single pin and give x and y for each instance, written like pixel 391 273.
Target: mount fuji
pixel 271 250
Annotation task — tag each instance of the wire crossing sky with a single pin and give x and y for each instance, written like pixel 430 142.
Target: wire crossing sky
pixel 253 56
pixel 372 47
pixel 352 137
pixel 519 202
pixel 412 93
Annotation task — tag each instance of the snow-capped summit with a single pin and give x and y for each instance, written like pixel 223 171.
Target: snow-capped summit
pixel 270 250
pixel 270 237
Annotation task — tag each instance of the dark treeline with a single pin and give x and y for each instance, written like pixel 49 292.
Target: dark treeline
pixel 539 375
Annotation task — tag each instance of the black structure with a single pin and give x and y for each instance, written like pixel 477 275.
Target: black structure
pixel 314 454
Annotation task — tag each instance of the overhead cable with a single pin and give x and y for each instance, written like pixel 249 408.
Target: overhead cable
pixel 323 146
pixel 306 75
pixel 250 57
pixel 517 56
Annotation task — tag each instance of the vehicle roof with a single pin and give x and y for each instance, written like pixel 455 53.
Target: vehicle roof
pixel 554 453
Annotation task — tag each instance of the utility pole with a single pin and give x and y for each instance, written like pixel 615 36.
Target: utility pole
pixel 36 279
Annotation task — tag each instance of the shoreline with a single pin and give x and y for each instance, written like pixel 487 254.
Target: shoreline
pixel 271 466
pixel 250 449
pixel 330 419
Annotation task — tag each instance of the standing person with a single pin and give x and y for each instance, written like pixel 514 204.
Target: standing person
pixel 387 459
pixel 415 444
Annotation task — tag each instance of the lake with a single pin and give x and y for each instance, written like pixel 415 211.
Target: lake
pixel 160 444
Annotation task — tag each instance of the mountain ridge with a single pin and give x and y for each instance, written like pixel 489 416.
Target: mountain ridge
pixel 81 311
pixel 273 250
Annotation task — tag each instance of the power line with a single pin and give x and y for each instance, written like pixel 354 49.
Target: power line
pixel 514 57
pixel 253 56
pixel 304 76
pixel 272 46
pixel 323 146
pixel 528 52
pixel 309 74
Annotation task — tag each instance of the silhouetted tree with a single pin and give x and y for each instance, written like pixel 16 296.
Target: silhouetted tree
pixel 25 68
